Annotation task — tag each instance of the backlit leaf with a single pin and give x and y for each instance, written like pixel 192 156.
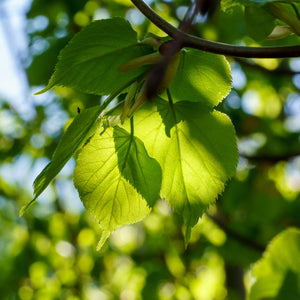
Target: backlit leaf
pixel 196 149
pixel 201 77
pixel 116 179
pixel 277 274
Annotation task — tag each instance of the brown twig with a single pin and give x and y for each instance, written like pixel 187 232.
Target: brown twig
pixel 215 47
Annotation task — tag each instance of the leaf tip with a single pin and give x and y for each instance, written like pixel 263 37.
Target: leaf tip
pixel 104 236
pixel 187 236
pixel 25 207
pixel 46 89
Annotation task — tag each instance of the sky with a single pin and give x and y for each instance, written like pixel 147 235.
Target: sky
pixel 13 49
pixel 15 89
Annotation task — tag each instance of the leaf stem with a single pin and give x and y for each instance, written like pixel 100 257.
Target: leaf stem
pixel 129 145
pixel 132 127
pixel 215 47
pixel 118 91
pixel 170 98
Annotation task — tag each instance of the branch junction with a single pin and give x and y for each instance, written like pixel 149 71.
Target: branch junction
pixel 215 47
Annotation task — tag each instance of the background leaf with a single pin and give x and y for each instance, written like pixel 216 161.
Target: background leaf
pixel 229 3
pixel 259 22
pixel 90 61
pixel 114 175
pixel 201 77
pixel 278 272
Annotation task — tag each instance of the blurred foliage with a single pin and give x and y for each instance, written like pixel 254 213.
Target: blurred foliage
pixel 50 252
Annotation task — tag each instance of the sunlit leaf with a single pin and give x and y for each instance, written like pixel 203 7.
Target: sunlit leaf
pixel 201 77
pixel 90 61
pixel 116 179
pixel 124 2
pixel 196 149
pixel 277 274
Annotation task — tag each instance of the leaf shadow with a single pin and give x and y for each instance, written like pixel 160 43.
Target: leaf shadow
pixel 205 128
pixel 136 166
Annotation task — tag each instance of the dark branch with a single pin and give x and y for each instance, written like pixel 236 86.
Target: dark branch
pixel 168 50
pixel 278 71
pixel 242 239
pixel 215 47
pixel 271 158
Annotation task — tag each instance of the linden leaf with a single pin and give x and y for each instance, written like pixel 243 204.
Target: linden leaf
pixel 196 149
pixel 278 272
pixel 201 77
pixel 91 60
pixel 116 179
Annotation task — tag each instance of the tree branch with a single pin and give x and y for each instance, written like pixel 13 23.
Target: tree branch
pixel 240 238
pixel 271 158
pixel 215 47
pixel 278 71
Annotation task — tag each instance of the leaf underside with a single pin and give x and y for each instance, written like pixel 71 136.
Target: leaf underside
pixel 201 77
pixel 116 179
pixel 196 150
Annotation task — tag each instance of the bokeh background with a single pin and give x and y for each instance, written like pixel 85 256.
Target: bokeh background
pixel 50 253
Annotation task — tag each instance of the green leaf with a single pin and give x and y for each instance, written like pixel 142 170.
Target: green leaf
pixel 116 179
pixel 277 274
pixel 287 14
pixel 142 171
pixel 201 77
pixel 259 22
pixel 196 149
pixel 90 61
pixel 226 4
pixel 77 133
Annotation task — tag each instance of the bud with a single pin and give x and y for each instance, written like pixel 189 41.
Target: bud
pixel 283 13
pixel 128 100
pixel 135 63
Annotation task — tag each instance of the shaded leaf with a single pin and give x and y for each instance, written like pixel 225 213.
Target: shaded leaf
pixel 90 61
pixel 287 14
pixel 259 22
